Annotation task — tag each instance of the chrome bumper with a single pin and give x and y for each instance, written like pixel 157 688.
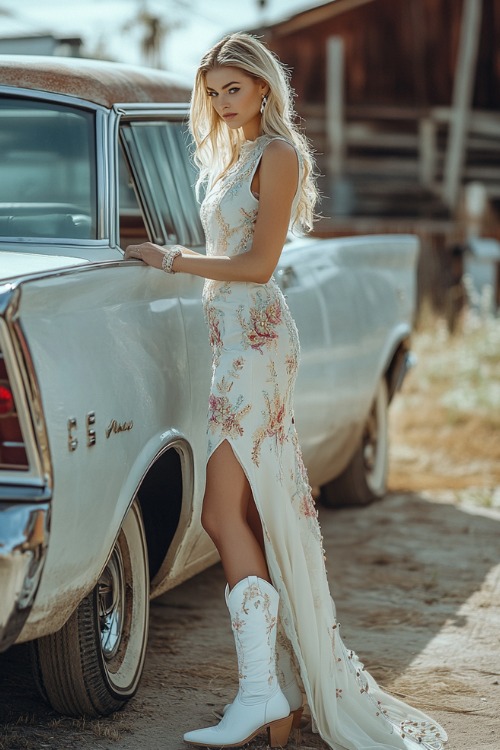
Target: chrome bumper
pixel 24 533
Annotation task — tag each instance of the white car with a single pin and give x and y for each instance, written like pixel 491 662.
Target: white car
pixel 105 368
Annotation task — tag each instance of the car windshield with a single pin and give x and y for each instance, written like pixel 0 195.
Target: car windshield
pixel 47 170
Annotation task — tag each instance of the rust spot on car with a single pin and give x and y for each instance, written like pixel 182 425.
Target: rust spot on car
pixel 95 81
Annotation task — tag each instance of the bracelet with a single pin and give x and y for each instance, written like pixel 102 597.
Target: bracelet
pixel 171 253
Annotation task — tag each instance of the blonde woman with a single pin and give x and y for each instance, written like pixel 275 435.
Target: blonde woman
pixel 257 172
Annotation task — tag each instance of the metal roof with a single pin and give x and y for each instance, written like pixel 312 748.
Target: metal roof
pixel 104 83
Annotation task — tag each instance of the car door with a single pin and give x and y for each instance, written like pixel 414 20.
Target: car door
pixel 322 301
pixel 297 280
pixel 156 151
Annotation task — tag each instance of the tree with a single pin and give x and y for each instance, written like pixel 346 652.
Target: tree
pixel 154 30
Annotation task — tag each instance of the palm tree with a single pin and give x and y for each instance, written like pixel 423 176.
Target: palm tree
pixel 155 29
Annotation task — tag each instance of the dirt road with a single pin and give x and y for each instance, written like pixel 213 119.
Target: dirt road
pixel 417 585
pixel 416 579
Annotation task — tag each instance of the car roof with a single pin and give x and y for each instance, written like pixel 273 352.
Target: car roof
pixel 97 81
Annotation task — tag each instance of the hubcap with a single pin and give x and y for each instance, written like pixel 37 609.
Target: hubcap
pixel 111 602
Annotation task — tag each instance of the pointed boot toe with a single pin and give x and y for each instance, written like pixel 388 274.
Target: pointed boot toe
pixel 241 723
pixel 260 704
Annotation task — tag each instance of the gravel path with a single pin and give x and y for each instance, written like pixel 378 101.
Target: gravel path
pixel 417 585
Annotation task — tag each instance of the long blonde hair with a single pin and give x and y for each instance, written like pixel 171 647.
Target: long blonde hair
pixel 217 146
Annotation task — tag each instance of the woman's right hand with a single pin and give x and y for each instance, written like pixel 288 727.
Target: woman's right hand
pixel 148 252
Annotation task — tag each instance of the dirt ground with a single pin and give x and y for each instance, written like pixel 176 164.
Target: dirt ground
pixel 416 579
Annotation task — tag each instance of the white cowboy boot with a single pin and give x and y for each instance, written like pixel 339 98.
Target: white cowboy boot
pixel 286 675
pixel 259 704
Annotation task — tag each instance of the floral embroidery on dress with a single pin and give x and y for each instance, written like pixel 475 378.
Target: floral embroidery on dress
pixel 291 363
pixel 274 420
pixel 225 416
pixel 238 365
pixel 422 732
pixel 307 506
pixel 214 320
pixel 260 328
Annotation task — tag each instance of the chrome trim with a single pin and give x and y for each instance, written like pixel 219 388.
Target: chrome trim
pixel 152 109
pixel 24 493
pixel 179 443
pixel 113 208
pixel 52 97
pixel 150 207
pixel 6 291
pixel 32 419
pixel 90 429
pixel 72 440
pixel 102 152
pixel 24 536
pixel 111 603
pixel 17 281
pixel 61 242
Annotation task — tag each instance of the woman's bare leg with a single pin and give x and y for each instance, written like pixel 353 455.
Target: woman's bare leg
pixel 253 520
pixel 226 505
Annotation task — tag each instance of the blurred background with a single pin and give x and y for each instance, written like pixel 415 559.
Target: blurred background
pixel 401 101
pixel 170 34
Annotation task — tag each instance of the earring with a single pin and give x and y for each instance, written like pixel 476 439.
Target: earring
pixel 263 104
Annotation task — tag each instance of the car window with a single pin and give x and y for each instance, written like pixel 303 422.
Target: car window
pixel 47 170
pixel 158 154
pixel 132 226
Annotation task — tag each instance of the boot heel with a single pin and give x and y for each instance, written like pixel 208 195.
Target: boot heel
pixel 279 731
pixel 297 717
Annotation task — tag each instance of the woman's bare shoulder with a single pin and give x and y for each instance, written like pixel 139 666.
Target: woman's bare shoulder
pixel 280 158
pixel 280 147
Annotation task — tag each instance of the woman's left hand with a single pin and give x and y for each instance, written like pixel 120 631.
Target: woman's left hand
pixel 148 252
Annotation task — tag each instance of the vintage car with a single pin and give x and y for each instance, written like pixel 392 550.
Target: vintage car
pixel 105 368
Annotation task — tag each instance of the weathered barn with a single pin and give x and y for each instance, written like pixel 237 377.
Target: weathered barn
pixel 402 102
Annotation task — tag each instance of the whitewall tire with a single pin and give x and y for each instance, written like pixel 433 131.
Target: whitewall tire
pixel 93 664
pixel 365 477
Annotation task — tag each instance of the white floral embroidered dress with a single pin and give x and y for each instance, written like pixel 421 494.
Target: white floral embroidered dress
pixel 255 349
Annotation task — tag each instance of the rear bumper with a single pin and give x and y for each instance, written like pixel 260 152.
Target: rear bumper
pixel 24 535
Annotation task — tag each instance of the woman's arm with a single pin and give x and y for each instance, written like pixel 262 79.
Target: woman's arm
pixel 278 179
pixel 152 254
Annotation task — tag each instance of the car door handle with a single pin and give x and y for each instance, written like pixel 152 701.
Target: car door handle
pixel 286 277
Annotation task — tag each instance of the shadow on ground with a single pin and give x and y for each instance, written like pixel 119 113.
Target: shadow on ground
pixel 412 581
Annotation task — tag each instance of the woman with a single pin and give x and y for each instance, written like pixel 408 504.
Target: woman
pixel 257 507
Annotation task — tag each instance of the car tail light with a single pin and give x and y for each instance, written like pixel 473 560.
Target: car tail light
pixel 12 448
pixel 6 400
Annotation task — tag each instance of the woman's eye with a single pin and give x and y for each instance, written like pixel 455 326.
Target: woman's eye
pixel 233 90
pixel 211 93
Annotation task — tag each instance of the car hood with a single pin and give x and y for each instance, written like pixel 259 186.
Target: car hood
pixel 24 264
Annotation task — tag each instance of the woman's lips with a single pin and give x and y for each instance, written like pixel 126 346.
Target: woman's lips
pixel 229 115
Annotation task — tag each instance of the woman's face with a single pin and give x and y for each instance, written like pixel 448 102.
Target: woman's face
pixel 236 97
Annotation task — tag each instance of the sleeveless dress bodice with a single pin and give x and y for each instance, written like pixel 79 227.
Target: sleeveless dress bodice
pixel 255 348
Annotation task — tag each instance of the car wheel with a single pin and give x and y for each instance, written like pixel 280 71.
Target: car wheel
pixel 93 664
pixel 365 477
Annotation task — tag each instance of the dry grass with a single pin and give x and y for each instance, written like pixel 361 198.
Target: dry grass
pixel 30 732
pixel 445 424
